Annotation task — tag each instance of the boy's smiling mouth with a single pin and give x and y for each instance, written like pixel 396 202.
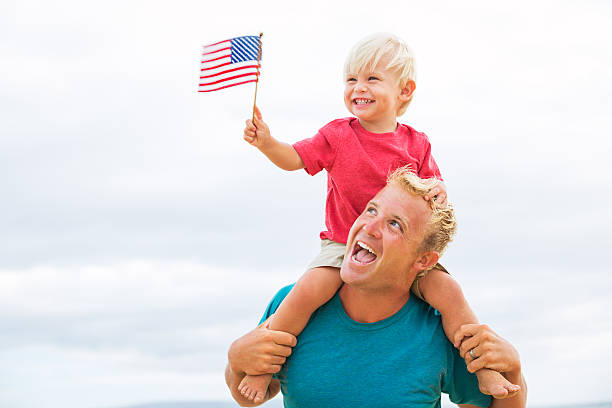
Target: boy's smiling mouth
pixel 362 101
pixel 363 254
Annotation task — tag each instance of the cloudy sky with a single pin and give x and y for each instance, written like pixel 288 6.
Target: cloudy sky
pixel 139 234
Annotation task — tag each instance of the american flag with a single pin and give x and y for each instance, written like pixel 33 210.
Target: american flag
pixel 229 63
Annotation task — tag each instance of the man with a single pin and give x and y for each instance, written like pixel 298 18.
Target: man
pixel 373 344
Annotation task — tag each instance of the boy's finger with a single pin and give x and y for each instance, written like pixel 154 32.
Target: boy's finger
pixel 259 123
pixel 257 112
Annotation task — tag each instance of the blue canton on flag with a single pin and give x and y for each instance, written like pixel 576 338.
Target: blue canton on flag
pixel 229 63
pixel 245 48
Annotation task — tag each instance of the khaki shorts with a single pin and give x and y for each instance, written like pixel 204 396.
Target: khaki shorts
pixel 332 254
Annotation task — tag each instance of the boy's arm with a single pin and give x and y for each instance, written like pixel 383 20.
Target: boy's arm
pixel 444 294
pixel 279 153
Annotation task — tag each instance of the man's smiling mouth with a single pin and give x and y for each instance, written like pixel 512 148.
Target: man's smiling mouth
pixel 363 254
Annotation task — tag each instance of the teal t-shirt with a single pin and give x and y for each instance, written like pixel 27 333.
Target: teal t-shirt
pixel 404 360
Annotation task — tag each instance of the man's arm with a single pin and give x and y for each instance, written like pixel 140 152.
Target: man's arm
pixel 496 353
pixel 260 351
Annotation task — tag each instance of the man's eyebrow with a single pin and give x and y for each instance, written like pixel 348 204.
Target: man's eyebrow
pixel 401 220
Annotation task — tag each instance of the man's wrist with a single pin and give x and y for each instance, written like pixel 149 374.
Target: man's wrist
pixel 231 358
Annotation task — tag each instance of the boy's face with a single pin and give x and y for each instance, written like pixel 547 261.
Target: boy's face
pixel 374 95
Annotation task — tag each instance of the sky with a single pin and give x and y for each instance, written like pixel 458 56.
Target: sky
pixel 140 235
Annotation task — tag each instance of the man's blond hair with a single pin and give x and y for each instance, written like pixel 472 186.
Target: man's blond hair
pixel 369 51
pixel 442 224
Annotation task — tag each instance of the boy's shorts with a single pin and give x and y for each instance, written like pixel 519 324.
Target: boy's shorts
pixel 332 254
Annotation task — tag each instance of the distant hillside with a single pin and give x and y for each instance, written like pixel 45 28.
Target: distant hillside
pixel 589 405
pixel 278 403
pixel 275 403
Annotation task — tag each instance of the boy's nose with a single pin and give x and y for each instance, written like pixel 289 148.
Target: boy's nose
pixel 360 87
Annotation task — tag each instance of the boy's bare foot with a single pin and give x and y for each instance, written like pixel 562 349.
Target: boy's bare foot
pixel 254 387
pixel 493 383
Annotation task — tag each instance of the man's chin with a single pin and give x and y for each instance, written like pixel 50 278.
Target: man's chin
pixel 352 274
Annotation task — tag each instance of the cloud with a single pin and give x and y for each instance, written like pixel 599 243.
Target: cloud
pixel 132 329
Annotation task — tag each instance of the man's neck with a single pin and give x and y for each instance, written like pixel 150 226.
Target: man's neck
pixel 371 306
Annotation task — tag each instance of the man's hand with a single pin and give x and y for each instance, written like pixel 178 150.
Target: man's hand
pixel 438 194
pixel 488 349
pixel 258 133
pixel 260 351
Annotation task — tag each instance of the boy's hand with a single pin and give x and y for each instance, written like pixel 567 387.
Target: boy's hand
pixel 258 133
pixel 438 194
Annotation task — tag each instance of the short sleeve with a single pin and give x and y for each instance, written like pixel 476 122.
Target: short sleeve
pixel 275 302
pixel 460 385
pixel 319 151
pixel 428 168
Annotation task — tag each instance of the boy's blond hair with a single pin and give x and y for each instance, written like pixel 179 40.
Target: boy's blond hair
pixel 442 224
pixel 369 51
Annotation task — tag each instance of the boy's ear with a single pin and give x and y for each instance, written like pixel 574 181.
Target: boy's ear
pixel 426 261
pixel 408 90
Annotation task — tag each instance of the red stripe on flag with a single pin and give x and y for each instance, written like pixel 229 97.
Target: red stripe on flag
pixel 227 86
pixel 215 59
pixel 228 78
pixel 219 50
pixel 217 43
pixel 229 70
pixel 216 66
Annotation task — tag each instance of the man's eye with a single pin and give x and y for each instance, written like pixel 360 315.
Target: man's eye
pixel 396 224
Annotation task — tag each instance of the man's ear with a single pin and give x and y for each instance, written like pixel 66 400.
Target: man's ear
pixel 408 90
pixel 426 261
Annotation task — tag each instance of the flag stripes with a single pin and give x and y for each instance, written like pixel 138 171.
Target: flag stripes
pixel 229 63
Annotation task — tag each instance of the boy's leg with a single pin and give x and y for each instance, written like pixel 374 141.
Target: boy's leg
pixel 443 293
pixel 314 289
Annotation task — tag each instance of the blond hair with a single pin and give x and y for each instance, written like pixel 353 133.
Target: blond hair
pixel 442 223
pixel 369 51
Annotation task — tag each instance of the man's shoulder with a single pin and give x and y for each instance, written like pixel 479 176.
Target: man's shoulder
pixel 277 299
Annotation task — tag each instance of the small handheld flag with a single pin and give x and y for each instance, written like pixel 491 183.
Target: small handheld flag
pixel 229 63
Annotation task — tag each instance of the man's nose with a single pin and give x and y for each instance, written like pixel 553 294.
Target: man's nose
pixel 372 228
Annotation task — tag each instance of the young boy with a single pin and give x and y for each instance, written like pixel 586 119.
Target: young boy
pixel 358 154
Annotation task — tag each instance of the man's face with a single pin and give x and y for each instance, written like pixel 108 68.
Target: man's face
pixel 384 242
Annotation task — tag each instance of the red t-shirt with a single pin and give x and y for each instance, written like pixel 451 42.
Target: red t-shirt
pixel 357 164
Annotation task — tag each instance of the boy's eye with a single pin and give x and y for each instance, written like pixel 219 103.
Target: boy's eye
pixel 371 210
pixel 350 79
pixel 373 78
